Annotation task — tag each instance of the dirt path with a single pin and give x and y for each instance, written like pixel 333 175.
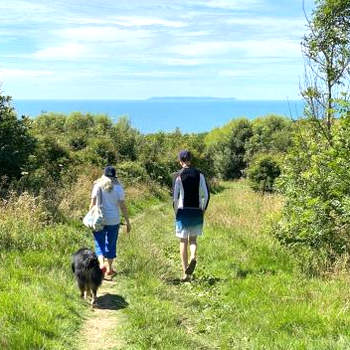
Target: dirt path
pixel 100 330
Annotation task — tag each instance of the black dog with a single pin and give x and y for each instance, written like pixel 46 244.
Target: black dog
pixel 87 272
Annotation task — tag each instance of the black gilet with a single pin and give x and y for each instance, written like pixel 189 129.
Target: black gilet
pixel 190 178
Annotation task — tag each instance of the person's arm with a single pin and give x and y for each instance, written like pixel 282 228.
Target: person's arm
pixel 92 203
pixel 93 197
pixel 176 193
pixel 204 192
pixel 124 210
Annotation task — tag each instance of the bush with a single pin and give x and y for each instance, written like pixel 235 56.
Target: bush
pixel 315 182
pixel 132 172
pixel 263 171
pixel 16 144
pixel 227 147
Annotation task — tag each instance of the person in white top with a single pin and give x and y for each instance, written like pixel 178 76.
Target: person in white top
pixel 112 198
pixel 190 199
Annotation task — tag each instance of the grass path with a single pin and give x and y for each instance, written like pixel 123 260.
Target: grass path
pixel 247 291
pixel 100 330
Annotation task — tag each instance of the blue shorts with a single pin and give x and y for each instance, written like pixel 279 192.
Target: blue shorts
pixel 106 241
pixel 189 222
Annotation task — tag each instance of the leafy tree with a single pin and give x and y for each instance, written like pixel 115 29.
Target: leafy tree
pixel 263 171
pixel 316 185
pixel 125 139
pixel 271 133
pixel 315 176
pixel 228 153
pixel 326 47
pixel 16 144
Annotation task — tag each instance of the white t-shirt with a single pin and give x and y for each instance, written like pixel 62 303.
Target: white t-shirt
pixel 110 203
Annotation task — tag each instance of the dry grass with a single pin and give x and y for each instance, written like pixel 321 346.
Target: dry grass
pixel 246 209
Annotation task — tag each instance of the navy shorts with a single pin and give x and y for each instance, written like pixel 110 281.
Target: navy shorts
pixel 106 241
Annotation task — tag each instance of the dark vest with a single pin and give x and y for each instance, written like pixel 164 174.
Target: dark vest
pixel 190 178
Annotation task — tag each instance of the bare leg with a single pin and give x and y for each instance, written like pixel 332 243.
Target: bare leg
pixel 101 261
pixel 109 266
pixel 184 254
pixel 193 247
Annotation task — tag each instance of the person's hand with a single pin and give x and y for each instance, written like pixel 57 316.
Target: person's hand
pixel 128 227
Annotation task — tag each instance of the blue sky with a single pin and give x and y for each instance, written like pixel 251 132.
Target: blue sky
pixel 135 49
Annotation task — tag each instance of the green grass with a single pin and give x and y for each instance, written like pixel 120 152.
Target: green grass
pixel 247 294
pixel 40 307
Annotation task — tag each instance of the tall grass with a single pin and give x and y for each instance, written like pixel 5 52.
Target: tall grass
pixel 248 292
pixel 39 303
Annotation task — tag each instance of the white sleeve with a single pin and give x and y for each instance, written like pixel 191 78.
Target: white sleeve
pixel 203 192
pixel 176 194
pixel 94 192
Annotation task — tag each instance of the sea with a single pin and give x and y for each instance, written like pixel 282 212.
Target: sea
pixel 190 115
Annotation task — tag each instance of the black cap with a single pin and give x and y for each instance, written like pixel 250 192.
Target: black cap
pixel 109 171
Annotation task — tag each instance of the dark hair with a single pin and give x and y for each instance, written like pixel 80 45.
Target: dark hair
pixel 185 156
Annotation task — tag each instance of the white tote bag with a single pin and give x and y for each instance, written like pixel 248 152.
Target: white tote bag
pixel 94 218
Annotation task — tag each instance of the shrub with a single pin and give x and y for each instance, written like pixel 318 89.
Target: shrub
pixel 263 171
pixel 16 144
pixel 315 182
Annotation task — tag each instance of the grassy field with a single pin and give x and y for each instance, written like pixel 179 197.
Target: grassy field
pixel 247 293
pixel 39 303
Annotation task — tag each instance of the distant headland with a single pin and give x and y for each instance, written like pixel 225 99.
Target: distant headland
pixel 191 98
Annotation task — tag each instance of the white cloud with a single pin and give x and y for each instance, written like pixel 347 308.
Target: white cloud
pixel 229 4
pixel 131 21
pixel 64 52
pixel 281 26
pixel 171 61
pixel 103 34
pixel 249 48
pixel 23 73
pixel 229 73
pixel 204 48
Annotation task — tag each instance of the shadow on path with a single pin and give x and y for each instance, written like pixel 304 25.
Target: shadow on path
pixel 111 302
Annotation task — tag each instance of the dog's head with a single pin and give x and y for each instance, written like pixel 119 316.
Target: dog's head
pixel 90 260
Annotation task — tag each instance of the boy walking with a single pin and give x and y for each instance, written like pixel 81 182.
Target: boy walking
pixel 191 197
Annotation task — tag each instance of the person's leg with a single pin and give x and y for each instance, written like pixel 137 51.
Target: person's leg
pixel 184 254
pixel 193 247
pixel 100 243
pixel 111 246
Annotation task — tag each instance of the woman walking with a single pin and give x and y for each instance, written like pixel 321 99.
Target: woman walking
pixel 112 198
pixel 191 197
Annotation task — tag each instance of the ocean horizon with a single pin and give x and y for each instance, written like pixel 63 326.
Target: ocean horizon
pixel 189 114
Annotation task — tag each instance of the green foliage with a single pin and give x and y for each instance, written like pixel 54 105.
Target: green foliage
pixel 316 220
pixel 326 46
pixel 263 171
pixel 16 144
pixel 315 182
pixel 234 145
pixel 228 151
pixel 271 133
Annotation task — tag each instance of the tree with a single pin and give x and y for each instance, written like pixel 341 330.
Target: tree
pixel 315 175
pixel 16 144
pixel 227 148
pixel 326 47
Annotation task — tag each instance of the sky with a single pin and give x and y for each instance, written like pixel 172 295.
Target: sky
pixel 137 49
